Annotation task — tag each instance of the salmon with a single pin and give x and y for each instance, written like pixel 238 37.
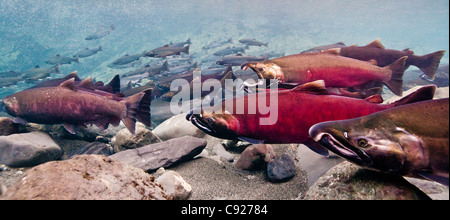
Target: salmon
pixel 336 71
pixel 383 57
pixel 69 105
pixel 296 111
pixel 409 140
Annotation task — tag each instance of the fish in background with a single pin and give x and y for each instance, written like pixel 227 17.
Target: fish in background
pixel 204 82
pixel 39 73
pixel 167 50
pixel 253 42
pixel 10 78
pixel 298 110
pixel 337 71
pixel 58 59
pixel 145 72
pixel 181 44
pixel 127 59
pixel 100 33
pixel 87 52
pixel 383 57
pixel 216 44
pixel 409 140
pixel 69 105
pixel 9 81
pixel 112 87
pixel 239 59
pixel 181 69
pixel 230 50
pixel 179 60
pixel 325 47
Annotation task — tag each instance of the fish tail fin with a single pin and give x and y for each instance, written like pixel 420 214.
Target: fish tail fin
pixel 396 82
pixel 114 85
pixel 430 62
pixel 100 48
pixel 423 94
pixel 138 108
pixel 144 114
pixel 186 49
pixel 266 44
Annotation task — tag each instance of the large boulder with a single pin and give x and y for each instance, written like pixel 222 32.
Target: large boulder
pixel 165 154
pixel 347 181
pixel 85 177
pixel 28 149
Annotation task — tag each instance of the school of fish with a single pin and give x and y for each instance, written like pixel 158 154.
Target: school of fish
pixel 328 98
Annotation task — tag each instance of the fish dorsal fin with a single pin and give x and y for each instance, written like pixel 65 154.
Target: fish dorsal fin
pixel 166 45
pixel 376 43
pixel 407 50
pixel 37 66
pixel 87 83
pixel 316 87
pixel 333 51
pixel 58 55
pixel 69 84
pixel 73 74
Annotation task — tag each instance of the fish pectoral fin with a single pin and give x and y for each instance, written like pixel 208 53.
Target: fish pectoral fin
pixel 71 128
pixel 316 147
pixel 251 140
pixel 431 176
pixel 316 87
pixel 19 120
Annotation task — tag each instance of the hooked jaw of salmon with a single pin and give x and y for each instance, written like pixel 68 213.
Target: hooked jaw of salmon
pixel 387 149
pixel 223 125
pixel 337 142
pixel 265 71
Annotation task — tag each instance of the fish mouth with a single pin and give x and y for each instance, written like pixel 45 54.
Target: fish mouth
pixel 252 66
pixel 216 131
pixel 197 120
pixel 339 145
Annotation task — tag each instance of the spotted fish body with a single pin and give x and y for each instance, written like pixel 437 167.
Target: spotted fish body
pixel 68 105
pixel 336 71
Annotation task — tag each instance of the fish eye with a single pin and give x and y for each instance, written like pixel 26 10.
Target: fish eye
pixel 209 120
pixel 362 142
